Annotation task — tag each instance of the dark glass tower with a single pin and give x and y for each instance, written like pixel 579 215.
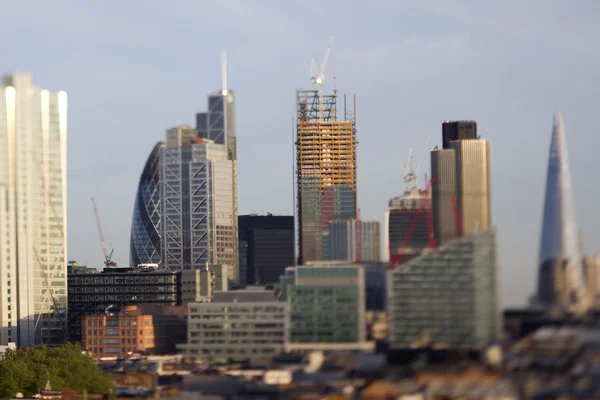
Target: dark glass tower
pixel 458 130
pixel 145 225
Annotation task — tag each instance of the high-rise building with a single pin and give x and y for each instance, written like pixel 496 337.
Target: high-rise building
pixel 592 275
pixel 406 227
pixel 266 244
pixel 560 259
pixel 343 240
pixel 198 209
pixel 325 170
pixel 461 182
pixel 458 130
pixel 145 225
pixel 446 297
pixel 33 217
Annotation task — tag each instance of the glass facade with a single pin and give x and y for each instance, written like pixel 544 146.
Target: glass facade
pixel 446 297
pixel 145 225
pixel 327 304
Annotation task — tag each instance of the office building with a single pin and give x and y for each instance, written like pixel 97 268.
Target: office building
pixel 406 227
pixel 266 244
pixel 237 325
pixel 199 285
pixel 325 170
pixel 447 297
pixel 458 130
pixel 198 209
pixel 93 293
pixel 560 257
pixel 327 307
pixel 33 217
pixel 145 224
pixel 135 330
pixel 344 236
pixel 591 266
pixel 461 183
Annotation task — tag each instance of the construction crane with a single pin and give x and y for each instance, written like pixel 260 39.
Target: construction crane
pixel 108 262
pixel 317 76
pixel 410 174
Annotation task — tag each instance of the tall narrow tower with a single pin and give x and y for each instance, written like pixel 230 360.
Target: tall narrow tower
pixel 560 279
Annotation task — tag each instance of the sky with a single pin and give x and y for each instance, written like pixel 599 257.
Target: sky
pixel 133 69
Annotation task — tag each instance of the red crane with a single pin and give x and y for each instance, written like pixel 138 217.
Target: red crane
pixel 108 262
pixel 396 258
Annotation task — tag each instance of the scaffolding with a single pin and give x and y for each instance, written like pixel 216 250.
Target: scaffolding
pixel 308 108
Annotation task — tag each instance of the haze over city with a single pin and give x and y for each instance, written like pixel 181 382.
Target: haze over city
pixel 132 70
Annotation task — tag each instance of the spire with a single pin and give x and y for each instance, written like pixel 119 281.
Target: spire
pixel 223 72
pixel 560 236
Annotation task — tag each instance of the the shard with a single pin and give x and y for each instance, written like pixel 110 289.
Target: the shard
pixel 560 280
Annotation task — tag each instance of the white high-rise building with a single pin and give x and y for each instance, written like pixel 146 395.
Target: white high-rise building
pixel 33 216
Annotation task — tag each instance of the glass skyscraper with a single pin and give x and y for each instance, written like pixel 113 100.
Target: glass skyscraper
pixel 145 224
pixel 33 217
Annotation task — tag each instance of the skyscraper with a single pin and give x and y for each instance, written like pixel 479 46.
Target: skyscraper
pixel 343 240
pixel 325 170
pixel 33 218
pixel 145 224
pixel 560 256
pixel 461 183
pixel 198 211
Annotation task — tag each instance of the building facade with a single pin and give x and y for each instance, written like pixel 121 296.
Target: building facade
pixel 447 297
pixel 266 244
pixel 145 224
pixel 237 325
pixel 327 307
pixel 325 170
pixel 33 217
pixel 560 245
pixel 198 204
pixel 95 293
pixel 135 330
pixel 458 130
pixel 343 240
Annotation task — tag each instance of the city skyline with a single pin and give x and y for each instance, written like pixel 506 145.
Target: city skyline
pixel 122 97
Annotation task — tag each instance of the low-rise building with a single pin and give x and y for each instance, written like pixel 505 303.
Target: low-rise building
pixel 238 325
pixel 135 329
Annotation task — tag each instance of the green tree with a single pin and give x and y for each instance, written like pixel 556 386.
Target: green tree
pixel 27 370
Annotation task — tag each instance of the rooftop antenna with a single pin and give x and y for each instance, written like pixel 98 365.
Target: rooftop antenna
pixel 317 76
pixel 223 72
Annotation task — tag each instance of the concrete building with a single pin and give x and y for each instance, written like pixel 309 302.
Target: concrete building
pixel 443 194
pixel 198 203
pixel 33 217
pixel 343 240
pixel 325 170
pixel 199 285
pixel 327 307
pixel 560 256
pixel 237 325
pixel 266 245
pixel 592 274
pixel 145 240
pixel 135 329
pixel 447 297
pixel 95 293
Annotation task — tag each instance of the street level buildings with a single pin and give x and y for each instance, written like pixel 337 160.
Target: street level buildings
pixel 198 205
pixel 145 224
pixel 33 217
pixel 135 329
pixel 237 325
pixel 447 297
pixel 325 170
pixel 266 247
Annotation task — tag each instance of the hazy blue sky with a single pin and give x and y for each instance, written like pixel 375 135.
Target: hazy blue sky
pixel 132 69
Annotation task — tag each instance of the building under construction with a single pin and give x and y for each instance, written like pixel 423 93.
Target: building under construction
pixel 325 169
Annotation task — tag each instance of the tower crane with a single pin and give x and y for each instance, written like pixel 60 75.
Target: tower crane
pixel 317 76
pixel 410 174
pixel 108 262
